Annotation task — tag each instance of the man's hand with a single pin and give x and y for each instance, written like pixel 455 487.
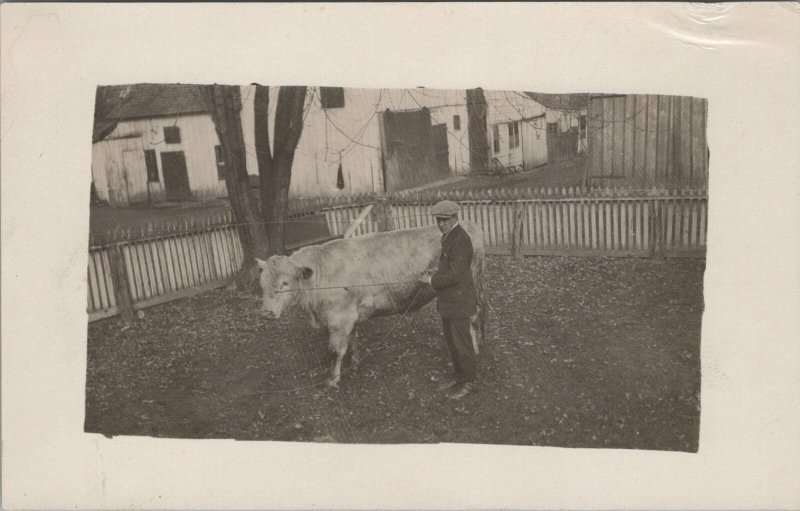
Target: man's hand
pixel 425 278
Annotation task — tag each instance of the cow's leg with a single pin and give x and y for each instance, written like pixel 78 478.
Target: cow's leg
pixel 340 329
pixel 477 325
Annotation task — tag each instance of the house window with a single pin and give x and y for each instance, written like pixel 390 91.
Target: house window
pixel 331 97
pixel 583 122
pixel 152 165
pixel 220 162
pixel 513 135
pixel 172 135
pixel 496 137
pixel 456 122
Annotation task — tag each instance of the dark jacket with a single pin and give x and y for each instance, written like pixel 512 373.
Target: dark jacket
pixel 453 279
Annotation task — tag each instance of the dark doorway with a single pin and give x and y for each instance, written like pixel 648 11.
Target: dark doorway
pixel 439 137
pixel 176 177
pixel 414 153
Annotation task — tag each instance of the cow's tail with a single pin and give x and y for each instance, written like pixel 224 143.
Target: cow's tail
pixel 482 302
pixel 481 292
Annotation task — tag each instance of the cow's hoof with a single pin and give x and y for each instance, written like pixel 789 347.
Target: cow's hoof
pixel 333 383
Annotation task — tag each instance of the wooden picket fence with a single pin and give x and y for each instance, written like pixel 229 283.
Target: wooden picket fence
pixel 160 265
pixel 604 222
pixel 160 268
pixel 567 221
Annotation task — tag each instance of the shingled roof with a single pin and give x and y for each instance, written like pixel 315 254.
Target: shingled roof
pixel 158 100
pixel 561 101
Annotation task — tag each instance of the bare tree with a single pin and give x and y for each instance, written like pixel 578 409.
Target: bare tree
pixel 261 229
pixel 275 168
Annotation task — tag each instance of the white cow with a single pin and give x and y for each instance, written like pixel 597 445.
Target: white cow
pixel 344 282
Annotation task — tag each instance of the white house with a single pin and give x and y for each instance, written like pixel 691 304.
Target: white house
pixel 160 144
pixel 517 131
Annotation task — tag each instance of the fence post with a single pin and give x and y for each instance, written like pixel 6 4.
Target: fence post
pixel 656 227
pixel 119 279
pixel 383 214
pixel 516 231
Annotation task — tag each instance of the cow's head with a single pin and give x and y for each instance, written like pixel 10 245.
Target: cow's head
pixel 280 283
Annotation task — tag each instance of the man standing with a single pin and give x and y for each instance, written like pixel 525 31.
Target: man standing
pixel 456 297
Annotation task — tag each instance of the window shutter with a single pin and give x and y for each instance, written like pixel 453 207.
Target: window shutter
pixel 172 135
pixel 152 165
pixel 331 97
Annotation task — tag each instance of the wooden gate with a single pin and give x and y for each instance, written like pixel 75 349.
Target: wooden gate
pixel 561 145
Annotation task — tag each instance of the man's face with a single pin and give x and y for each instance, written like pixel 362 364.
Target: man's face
pixel 445 223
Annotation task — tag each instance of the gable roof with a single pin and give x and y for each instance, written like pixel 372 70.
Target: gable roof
pixel 561 101
pixel 146 100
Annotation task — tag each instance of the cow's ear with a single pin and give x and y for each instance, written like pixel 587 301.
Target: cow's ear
pixel 261 264
pixel 305 272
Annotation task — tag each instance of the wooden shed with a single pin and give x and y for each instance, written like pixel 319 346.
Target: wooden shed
pixel 647 140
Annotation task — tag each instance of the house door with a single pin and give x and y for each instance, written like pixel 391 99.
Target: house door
pixel 115 176
pixel 176 177
pixel 534 143
pixel 134 173
pixel 126 175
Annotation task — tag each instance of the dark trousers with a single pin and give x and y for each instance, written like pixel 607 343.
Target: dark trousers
pixel 459 342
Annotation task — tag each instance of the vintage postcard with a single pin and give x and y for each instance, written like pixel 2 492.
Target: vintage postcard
pixel 360 256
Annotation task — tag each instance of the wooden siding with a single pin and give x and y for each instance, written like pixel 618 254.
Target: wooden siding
pixel 198 138
pixel 504 107
pixel 533 134
pixel 120 176
pixel 647 140
pixel 351 136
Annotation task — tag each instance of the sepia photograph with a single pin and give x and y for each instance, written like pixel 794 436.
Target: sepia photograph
pixel 361 265
pixel 453 255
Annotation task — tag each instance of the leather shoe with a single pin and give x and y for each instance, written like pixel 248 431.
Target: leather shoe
pixel 462 391
pixel 449 384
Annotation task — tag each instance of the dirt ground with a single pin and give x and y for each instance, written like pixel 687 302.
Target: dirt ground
pixel 556 175
pixel 580 352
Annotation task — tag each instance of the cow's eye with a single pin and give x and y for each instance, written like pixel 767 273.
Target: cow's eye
pixel 284 284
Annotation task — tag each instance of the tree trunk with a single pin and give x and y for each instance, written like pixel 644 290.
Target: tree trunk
pixel 476 123
pixel 224 105
pixel 275 168
pixel 263 153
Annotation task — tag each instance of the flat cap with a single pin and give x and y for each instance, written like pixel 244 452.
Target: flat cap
pixel 445 208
